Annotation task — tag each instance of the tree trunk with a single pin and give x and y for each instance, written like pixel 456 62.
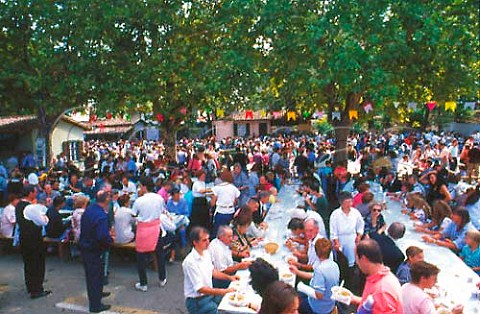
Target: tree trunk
pixel 169 138
pixel 44 132
pixel 342 130
pixel 425 118
pixel 343 127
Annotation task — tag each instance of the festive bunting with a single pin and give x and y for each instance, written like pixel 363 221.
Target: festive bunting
pixel 306 114
pixel 336 115
pixel 396 104
pixel 109 115
pixel 160 117
pixel 353 114
pixel 368 107
pixel 412 105
pixel 276 114
pixel 263 114
pixel 220 113
pixel 318 115
pixel 450 105
pixel 431 105
pixel 249 114
pixel 93 118
pixel 469 105
pixel 291 115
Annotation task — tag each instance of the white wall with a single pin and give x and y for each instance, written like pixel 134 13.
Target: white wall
pixel 64 132
pixel 465 129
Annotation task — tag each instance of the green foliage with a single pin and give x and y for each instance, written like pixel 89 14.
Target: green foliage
pixel 165 55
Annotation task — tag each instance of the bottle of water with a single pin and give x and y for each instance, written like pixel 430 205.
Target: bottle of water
pixel 367 306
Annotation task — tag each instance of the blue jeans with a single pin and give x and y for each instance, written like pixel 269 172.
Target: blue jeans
pixel 204 305
pixel 142 262
pixel 220 220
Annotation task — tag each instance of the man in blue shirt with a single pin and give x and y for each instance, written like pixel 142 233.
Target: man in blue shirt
pixel 94 240
pixel 317 297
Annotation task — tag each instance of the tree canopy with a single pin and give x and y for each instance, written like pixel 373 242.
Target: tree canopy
pixel 167 55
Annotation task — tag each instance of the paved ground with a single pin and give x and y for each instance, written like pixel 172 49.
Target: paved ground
pixel 67 281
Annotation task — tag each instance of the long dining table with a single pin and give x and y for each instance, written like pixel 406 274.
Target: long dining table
pixel 456 281
pixel 277 219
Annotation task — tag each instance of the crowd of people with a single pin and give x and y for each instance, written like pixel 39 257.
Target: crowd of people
pixel 221 192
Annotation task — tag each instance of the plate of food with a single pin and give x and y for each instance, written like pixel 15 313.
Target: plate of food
pixel 271 247
pixel 288 277
pixel 237 299
pixel 341 294
pixel 289 258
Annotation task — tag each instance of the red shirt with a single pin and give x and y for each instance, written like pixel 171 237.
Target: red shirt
pixel 386 291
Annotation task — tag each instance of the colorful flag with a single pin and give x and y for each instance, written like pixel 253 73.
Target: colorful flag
pixel 291 115
pixel 450 105
pixel 431 105
pixel 336 115
pixel 469 104
pixel 412 105
pixel 220 113
pixel 368 107
pixel 353 114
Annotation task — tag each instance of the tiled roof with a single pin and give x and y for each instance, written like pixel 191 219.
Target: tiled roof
pixel 109 130
pixel 13 124
pixel 112 122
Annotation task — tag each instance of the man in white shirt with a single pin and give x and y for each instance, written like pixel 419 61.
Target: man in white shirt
pixel 129 188
pixel 312 234
pixel 198 270
pixel 221 255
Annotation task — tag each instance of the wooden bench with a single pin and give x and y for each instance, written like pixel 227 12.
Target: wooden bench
pixel 131 246
pixel 6 244
pixel 62 246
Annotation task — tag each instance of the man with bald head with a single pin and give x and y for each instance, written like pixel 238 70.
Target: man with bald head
pixel 392 255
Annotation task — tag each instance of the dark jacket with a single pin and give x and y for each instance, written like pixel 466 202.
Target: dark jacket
pixel 94 232
pixel 392 255
pixel 55 227
pixel 30 233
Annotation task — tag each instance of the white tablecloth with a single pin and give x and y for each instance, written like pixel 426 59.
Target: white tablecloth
pixel 277 219
pixel 455 279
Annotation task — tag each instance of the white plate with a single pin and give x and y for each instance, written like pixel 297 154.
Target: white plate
pixel 236 302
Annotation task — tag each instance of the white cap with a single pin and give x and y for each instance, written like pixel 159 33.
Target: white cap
pixel 32 179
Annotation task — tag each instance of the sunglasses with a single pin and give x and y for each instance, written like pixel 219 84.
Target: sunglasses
pixel 378 210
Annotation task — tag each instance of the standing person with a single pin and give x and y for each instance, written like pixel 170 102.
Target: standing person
pixel 224 198
pixel 326 274
pixel 198 271
pixel 381 284
pixel 200 209
pixel 346 229
pixel 240 180
pixel 8 220
pixel 30 220
pixel 94 240
pixel 148 208
pixel 473 166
